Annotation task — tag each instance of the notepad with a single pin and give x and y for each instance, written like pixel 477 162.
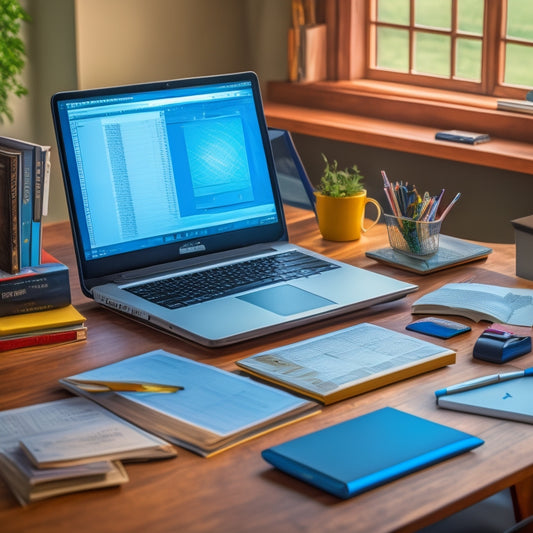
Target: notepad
pixel 368 451
pixel 511 400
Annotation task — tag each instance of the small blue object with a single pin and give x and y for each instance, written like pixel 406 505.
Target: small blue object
pixel 499 347
pixel 437 327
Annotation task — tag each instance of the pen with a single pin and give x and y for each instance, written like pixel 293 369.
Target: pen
pixel 96 385
pixel 483 381
pixel 450 205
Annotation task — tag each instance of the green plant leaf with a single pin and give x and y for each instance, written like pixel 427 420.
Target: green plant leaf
pixel 340 183
pixel 12 54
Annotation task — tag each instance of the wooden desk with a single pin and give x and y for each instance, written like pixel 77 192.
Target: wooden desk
pixel 236 490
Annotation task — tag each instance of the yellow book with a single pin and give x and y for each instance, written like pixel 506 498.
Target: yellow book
pixel 42 320
pixel 347 362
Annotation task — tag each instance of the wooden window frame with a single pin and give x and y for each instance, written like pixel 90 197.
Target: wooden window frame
pixel 351 107
pixel 351 52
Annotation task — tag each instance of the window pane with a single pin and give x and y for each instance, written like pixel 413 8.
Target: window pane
pixel 518 61
pixel 520 19
pixel 470 16
pixel 393 49
pixel 468 59
pixel 433 14
pixel 395 11
pixel 432 54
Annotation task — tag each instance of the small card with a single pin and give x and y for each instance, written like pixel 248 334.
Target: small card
pixel 438 327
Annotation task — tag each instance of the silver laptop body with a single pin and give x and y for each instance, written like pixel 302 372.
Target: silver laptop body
pixel 168 178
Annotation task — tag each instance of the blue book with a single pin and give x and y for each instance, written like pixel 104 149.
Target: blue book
pixel 30 196
pixel 368 451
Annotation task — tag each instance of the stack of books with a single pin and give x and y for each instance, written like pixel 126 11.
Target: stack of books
pixel 36 307
pixel 24 186
pixel 34 287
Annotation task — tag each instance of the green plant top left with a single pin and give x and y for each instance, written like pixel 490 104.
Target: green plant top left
pixel 340 183
pixel 12 54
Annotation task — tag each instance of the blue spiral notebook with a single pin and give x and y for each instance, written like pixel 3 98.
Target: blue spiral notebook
pixel 368 451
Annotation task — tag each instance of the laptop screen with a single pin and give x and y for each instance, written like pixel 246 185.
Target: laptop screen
pixel 178 166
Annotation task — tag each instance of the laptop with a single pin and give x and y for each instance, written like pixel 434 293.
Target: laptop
pixel 166 181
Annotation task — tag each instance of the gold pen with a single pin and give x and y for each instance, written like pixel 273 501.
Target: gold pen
pixel 97 385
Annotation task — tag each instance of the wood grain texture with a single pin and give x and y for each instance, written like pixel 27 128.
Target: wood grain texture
pixel 238 491
pixel 393 135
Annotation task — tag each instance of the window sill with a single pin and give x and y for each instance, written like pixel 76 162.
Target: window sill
pixel 403 118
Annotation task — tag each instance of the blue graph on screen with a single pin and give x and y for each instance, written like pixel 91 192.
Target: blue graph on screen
pixel 218 162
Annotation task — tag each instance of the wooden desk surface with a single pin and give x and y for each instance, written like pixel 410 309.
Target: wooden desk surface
pixel 238 491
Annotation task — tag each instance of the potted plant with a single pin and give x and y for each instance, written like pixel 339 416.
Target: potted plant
pixel 340 203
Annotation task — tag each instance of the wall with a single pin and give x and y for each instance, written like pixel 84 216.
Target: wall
pixel 79 44
pixel 52 58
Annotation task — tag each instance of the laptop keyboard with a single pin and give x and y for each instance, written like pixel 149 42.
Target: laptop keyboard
pixel 197 287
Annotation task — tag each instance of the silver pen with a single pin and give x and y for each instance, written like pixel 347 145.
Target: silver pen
pixel 483 381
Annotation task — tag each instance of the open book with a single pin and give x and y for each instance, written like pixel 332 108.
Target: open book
pixel 214 410
pixel 347 362
pixel 479 302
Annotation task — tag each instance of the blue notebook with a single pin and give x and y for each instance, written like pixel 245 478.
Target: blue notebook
pixel 362 453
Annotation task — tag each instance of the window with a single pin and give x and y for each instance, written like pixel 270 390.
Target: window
pixel 489 51
pixel 478 46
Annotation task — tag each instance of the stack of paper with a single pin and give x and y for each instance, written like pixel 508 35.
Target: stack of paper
pixel 69 445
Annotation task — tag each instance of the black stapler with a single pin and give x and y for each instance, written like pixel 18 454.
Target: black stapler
pixel 496 346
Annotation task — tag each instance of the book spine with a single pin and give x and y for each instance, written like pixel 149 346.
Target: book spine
pixel 45 193
pixel 9 255
pixel 35 243
pixel 49 289
pixel 44 339
pixel 26 210
pixel 15 260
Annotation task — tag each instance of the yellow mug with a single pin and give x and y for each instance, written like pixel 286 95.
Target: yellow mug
pixel 343 219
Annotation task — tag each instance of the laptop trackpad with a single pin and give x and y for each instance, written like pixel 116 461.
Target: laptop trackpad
pixel 285 300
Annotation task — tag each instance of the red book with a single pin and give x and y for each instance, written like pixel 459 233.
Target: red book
pixel 40 338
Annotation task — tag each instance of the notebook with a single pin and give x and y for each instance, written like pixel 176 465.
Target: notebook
pixel 175 177
pixel 512 400
pixel 365 452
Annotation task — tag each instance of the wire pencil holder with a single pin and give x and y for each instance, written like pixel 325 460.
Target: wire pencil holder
pixel 413 237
